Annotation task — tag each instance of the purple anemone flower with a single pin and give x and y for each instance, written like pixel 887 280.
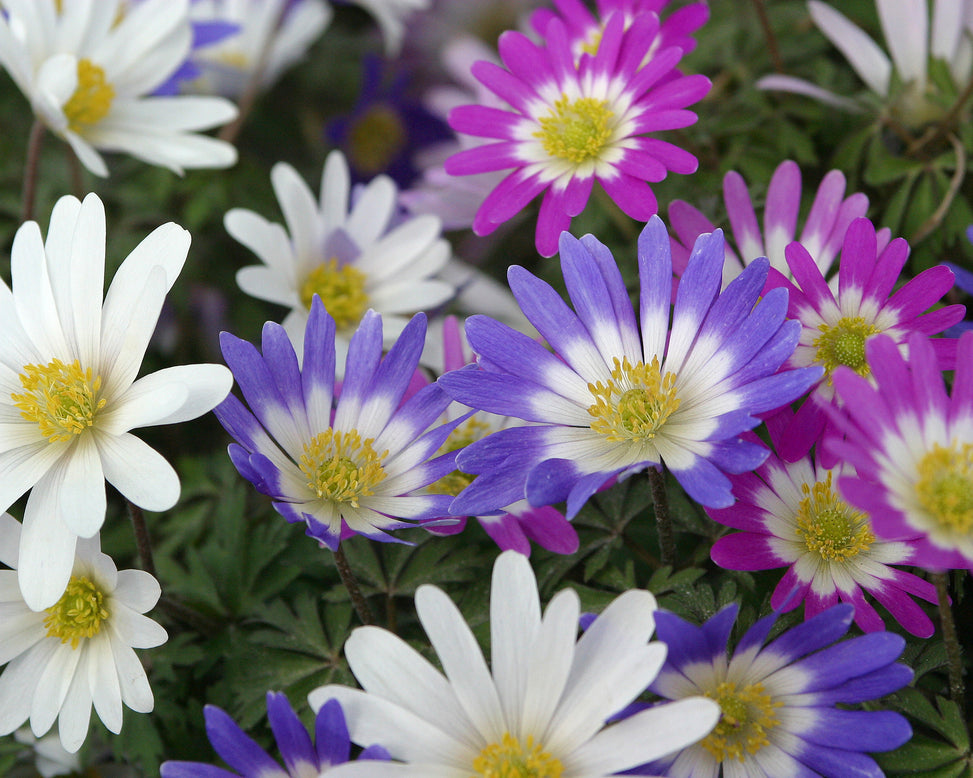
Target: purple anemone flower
pixel 912 447
pixel 822 233
pixel 570 124
pixel 837 320
pixel 778 701
pixel 350 462
pixel 617 397
pixel 791 515
pixel 302 757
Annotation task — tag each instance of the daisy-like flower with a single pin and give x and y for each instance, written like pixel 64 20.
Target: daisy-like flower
pixel 516 525
pixel 791 515
pixel 821 236
pixel 540 710
pixel 837 323
pixel 900 84
pixel 68 366
pixel 302 757
pixel 571 124
pixel 912 448
pixel 360 468
pixel 586 28
pixel 271 35
pixel 89 70
pixel 78 652
pixel 778 700
pixel 354 255
pixel 616 397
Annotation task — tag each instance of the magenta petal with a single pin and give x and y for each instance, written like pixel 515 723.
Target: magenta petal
pixel 743 220
pixel 745 551
pixel 506 200
pixel 506 533
pixel 632 195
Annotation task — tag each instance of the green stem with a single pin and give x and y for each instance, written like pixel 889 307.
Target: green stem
pixel 142 540
pixel 772 48
pixel 29 190
pixel 667 543
pixel 954 657
pixel 351 585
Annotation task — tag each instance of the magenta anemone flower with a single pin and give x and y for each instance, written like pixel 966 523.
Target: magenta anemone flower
pixel 837 324
pixel 822 233
pixel 570 124
pixel 912 447
pixel 792 516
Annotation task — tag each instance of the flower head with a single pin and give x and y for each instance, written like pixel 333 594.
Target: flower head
pixel 78 652
pixel 89 71
pixel 70 395
pixel 778 701
pixel 354 255
pixel 912 447
pixel 360 467
pixel 836 323
pixel 570 124
pixel 821 236
pixel 391 16
pixel 302 757
pixel 617 397
pixel 270 34
pixel 542 706
pixel 792 515
pixel 901 84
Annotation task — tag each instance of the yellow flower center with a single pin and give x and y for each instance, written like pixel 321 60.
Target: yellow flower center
pixel 844 344
pixel 945 486
pixel 375 139
pixel 576 130
pixel 829 526
pixel 635 403
pixel 748 715
pixel 78 614
pixel 468 432
pixel 512 759
pixel 92 98
pixel 341 467
pixel 341 289
pixel 61 399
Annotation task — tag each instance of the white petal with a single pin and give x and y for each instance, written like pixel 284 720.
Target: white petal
pixel 136 692
pixel 203 387
pixel 54 685
pixel 72 723
pixel 80 485
pixel 905 24
pixel 139 472
pixel 862 53
pixel 103 685
pixel 85 281
pixel 46 551
pixel 18 682
pixel 138 590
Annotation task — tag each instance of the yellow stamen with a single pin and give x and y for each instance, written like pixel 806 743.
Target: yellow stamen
pixel 78 614
pixel 945 486
pixel 748 715
pixel 844 344
pixel 635 403
pixel 511 759
pixel 341 289
pixel 341 467
pixel 576 130
pixel 829 526
pixel 62 399
pixel 92 97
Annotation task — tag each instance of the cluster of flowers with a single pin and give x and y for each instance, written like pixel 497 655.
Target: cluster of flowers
pixel 362 419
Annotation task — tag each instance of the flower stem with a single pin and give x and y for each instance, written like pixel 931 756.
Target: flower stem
pixel 769 36
pixel 29 190
pixel 667 543
pixel 954 659
pixel 351 584
pixel 142 541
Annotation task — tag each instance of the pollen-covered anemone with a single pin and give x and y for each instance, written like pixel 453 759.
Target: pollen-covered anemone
pixel 912 448
pixel 836 323
pixel 778 701
pixel 538 710
pixel 791 515
pixel 570 124
pixel 617 396
pixel 354 461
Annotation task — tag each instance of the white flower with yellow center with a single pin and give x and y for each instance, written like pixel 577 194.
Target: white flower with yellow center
pixel 538 712
pixel 89 70
pixel 350 248
pixel 272 36
pixel 68 388
pixel 77 653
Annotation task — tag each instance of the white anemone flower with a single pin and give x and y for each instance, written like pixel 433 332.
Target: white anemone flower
pixel 352 248
pixel 79 652
pixel 912 39
pixel 539 711
pixel 391 16
pixel 272 36
pixel 68 388
pixel 89 68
